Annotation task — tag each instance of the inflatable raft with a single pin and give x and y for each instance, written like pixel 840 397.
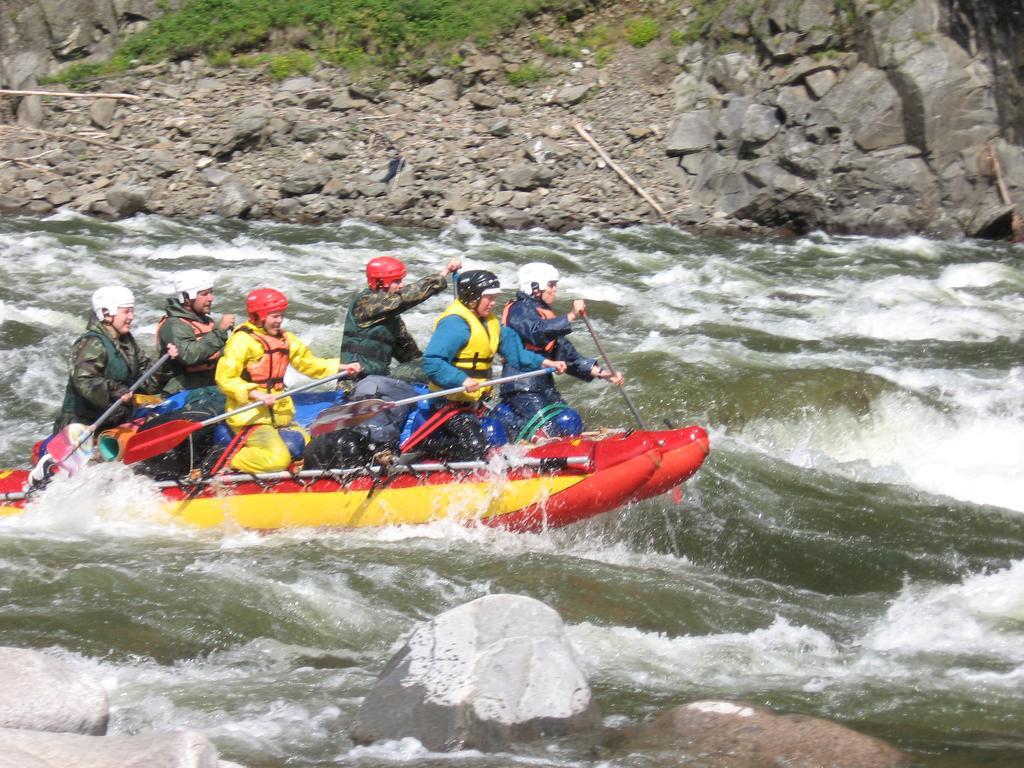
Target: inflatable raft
pixel 543 486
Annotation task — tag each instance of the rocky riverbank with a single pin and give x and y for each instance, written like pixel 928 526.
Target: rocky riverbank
pixel 791 115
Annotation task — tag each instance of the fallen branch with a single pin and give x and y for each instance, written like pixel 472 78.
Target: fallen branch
pixel 615 167
pixel 989 165
pixel 8 129
pixel 73 94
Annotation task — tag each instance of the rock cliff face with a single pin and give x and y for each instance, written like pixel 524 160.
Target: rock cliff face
pixel 878 127
pixel 797 114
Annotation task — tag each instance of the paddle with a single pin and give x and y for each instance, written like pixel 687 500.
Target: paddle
pixel 152 442
pixel 610 367
pixel 349 414
pixel 38 474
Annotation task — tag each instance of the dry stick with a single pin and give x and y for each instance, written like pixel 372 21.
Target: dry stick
pixel 72 94
pixel 615 167
pixel 1004 193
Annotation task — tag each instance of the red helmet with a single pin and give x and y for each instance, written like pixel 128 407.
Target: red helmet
pixel 382 271
pixel 262 301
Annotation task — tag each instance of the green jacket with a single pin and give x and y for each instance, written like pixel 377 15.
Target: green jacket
pixel 375 332
pixel 198 348
pixel 102 366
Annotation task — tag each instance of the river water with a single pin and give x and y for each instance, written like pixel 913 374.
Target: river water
pixel 853 548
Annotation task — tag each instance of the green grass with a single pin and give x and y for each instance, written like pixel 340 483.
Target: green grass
pixel 526 74
pixel 354 33
pixel 642 31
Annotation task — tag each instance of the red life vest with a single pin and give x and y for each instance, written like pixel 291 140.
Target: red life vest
pixel 269 370
pixel 546 314
pixel 200 330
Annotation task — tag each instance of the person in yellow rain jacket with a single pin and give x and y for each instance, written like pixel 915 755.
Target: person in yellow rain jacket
pixel 252 369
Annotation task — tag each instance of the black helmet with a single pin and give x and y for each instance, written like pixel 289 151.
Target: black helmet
pixel 475 283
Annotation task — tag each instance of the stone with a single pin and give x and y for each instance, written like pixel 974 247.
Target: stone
pixel 760 124
pixel 304 179
pixel 483 675
pixel 867 104
pixel 572 94
pixel 335 149
pixel 215 177
pixel 30 112
pixel 727 734
pixel 38 749
pixel 500 127
pixel 444 89
pixel 244 132
pixel 307 133
pixel 43 693
pixel 297 85
pixel 820 83
pixel 690 132
pixel 286 208
pixel 101 113
pixel 483 100
pixel 128 199
pixel 524 176
pixel 543 149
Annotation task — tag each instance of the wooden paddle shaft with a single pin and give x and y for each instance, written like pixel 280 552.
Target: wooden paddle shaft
pixel 608 363
pixel 286 393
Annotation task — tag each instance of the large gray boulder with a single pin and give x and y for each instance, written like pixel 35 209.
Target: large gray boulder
pixel 44 693
pixel 37 749
pixel 493 671
pixel 733 735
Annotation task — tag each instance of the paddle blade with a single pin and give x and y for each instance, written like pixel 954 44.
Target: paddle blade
pixel 347 415
pixel 159 439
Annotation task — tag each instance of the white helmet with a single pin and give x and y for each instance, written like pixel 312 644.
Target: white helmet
pixel 190 282
pixel 535 276
pixel 109 298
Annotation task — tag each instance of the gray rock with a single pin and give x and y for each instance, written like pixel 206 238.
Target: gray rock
pixel 286 208
pixel 690 132
pixel 128 199
pixel 730 735
pixel 215 177
pixel 572 94
pixel 12 203
pixel 868 107
pixel 43 693
pixel 543 149
pixel 297 85
pixel 734 72
pixel 444 89
pixel 335 149
pixel 500 127
pixel 304 179
pixel 760 124
pixel 101 113
pixel 37 749
pixel 480 676
pixel 30 112
pixel 373 189
pixel 525 176
pixel 483 100
pixel 307 133
pixel 245 131
pixel 344 101
pixel 820 83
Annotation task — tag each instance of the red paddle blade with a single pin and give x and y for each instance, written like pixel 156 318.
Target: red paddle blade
pixel 347 415
pixel 160 439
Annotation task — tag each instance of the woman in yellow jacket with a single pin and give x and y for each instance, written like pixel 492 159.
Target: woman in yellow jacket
pixel 252 369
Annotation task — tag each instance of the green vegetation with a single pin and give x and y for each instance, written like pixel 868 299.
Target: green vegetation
pixel 353 33
pixel 526 74
pixel 642 30
pixel 291 63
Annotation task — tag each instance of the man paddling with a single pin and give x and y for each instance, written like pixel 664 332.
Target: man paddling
pixel 532 407
pixel 466 338
pixel 105 361
pixel 188 325
pixel 252 369
pixel 374 330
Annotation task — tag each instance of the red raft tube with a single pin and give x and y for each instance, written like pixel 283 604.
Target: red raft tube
pixel 555 484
